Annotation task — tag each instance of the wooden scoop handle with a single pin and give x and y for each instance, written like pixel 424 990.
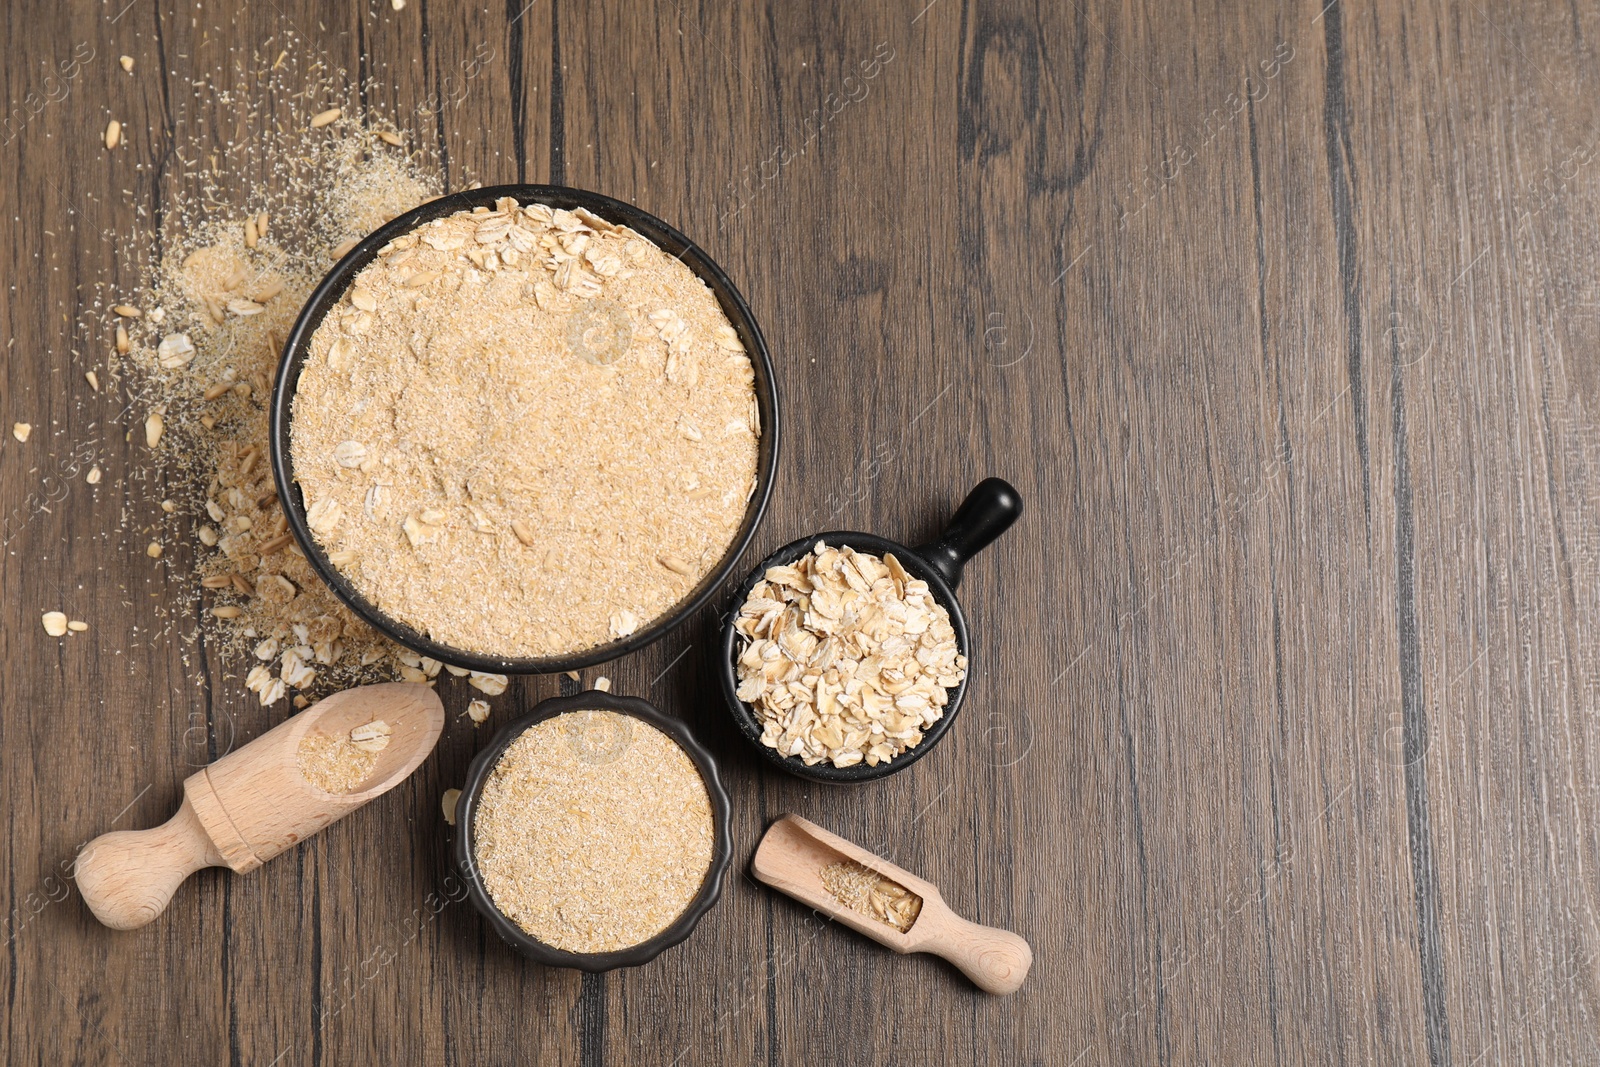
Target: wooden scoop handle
pixel 996 960
pixel 128 876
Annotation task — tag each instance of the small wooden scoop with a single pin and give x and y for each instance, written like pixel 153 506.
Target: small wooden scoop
pixel 791 858
pixel 252 804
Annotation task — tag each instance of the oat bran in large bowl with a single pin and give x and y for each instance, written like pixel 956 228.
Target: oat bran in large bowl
pixel 524 428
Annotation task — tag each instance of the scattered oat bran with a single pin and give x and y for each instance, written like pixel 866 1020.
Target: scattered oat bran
pixel 340 764
pixel 492 428
pixel 593 831
pixel 862 889
pixel 199 358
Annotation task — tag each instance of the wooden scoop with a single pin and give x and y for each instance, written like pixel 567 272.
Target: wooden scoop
pixel 252 804
pixel 791 858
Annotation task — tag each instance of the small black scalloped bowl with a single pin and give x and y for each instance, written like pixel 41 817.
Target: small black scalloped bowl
pixel 333 287
pixel 518 938
pixel 986 513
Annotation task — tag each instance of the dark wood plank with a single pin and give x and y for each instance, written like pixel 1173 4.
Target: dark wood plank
pixel 1281 319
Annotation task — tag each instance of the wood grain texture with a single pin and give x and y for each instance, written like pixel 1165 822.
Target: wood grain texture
pixel 1283 320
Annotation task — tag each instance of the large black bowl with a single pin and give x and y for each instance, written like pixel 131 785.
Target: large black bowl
pixel 483 765
pixel 333 287
pixel 989 510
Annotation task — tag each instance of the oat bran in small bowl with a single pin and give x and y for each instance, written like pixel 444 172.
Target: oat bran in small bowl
pixel 593 832
pixel 523 437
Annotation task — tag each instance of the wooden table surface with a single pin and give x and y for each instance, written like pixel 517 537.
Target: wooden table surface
pixel 1283 320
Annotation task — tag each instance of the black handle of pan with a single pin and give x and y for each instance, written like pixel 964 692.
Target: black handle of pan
pixel 989 510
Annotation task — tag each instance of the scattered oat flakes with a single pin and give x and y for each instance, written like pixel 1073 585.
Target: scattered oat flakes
pixel 113 133
pixel 77 626
pixel 93 477
pixel 55 623
pixel 154 424
pixel 295 671
pixel 127 63
pixel 260 681
pixel 478 710
pixel 174 351
pixel 490 684
pixel 447 802
pixel 21 430
pixel 323 118
pixel 602 684
pixel 325 185
pixel 153 550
